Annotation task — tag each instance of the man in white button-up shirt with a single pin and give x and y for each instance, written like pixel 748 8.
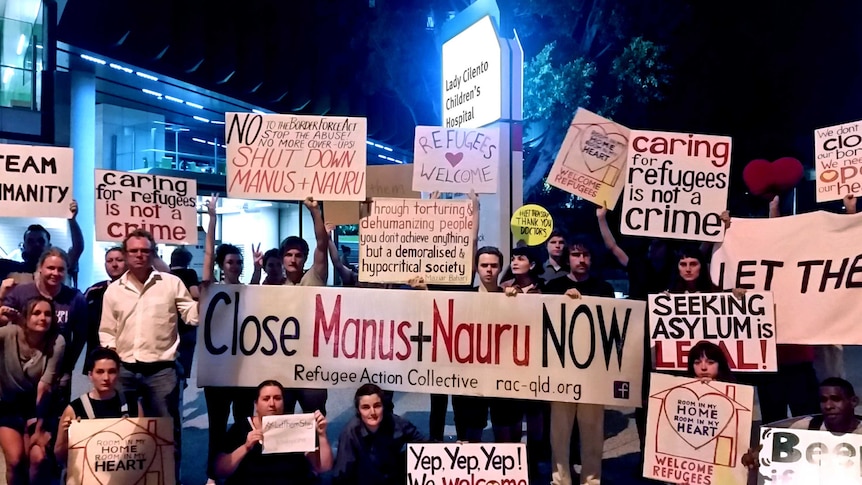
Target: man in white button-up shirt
pixel 139 321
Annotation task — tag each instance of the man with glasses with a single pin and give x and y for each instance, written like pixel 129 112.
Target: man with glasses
pixel 139 321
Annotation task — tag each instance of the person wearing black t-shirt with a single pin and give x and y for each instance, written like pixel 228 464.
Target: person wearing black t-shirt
pixel 103 401
pixel 115 266
pixel 590 417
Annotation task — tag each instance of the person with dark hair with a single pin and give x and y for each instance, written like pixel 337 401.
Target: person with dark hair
pixel 140 321
pixel 219 400
pixel 71 318
pixel 707 361
pixel 115 266
pixel 242 462
pixel 30 362
pixel 522 275
pixel 294 254
pixel 181 258
pixel 692 275
pixel 373 445
pixel 102 366
pixel 271 264
pixel 589 417
pixel 36 240
pixel 556 265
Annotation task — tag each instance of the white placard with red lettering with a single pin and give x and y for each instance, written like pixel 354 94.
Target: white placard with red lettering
pixel 744 328
pixel 456 160
pixel 467 463
pixel 838 161
pixel 36 181
pixel 815 284
pixel 808 457
pixel 676 185
pixel 166 207
pixel 292 157
pixel 591 162
pixel 541 347
pixel 122 450
pixel 697 431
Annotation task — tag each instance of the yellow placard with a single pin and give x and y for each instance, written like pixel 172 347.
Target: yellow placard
pixel 532 225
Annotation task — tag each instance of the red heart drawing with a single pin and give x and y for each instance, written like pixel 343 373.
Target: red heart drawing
pixel 767 179
pixel 454 158
pixel 697 420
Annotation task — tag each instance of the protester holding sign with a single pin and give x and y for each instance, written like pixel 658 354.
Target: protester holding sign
pixel 371 449
pixel 32 353
pixel 242 462
pixel 522 276
pixel 71 317
pixel 36 240
pixel 103 401
pixel 706 361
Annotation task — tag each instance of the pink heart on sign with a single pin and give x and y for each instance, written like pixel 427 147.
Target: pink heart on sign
pixel 683 406
pixel 454 158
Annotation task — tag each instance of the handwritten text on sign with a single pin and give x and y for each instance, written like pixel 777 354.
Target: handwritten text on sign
pixel 805 457
pixel 545 347
pixel 291 157
pixel 744 328
pixel 676 185
pixel 591 162
pixel 696 431
pixel 36 181
pixel 838 161
pixel 817 281
pixel 122 450
pixel 403 238
pixel 164 206
pixel 466 463
pixel 288 433
pixel 456 159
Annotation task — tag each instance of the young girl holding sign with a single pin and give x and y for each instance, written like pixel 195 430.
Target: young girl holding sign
pixel 707 362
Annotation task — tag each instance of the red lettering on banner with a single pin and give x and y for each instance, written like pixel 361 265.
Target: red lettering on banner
pixel 487 352
pixel 358 338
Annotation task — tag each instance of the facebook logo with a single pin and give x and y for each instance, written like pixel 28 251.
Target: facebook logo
pixel 621 389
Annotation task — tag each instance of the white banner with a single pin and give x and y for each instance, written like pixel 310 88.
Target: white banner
pixel 542 347
pixel 291 157
pixel 403 238
pixel 744 328
pixel 803 457
pixel 812 265
pixel 467 464
pixel 591 162
pixel 838 161
pixel 36 181
pixel 123 450
pixel 164 206
pixel 697 432
pixel 456 160
pixel 676 186
pixel 288 433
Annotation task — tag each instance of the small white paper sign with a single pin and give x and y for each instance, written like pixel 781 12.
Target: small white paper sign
pixel 288 433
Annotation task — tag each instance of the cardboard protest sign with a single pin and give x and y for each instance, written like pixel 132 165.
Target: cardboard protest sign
pixel 591 162
pixel 803 457
pixel 292 157
pixel 815 284
pixel 744 328
pixel 532 225
pixel 123 450
pixel 541 347
pixel 36 181
pixel 456 160
pixel 394 181
pixel 403 238
pixel 467 463
pixel 288 433
pixel 697 432
pixel 838 161
pixel 676 186
pixel 164 206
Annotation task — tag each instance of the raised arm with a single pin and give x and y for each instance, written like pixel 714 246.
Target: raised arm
pixel 474 200
pixel 320 264
pixel 77 236
pixel 258 264
pixel 209 244
pixel 608 237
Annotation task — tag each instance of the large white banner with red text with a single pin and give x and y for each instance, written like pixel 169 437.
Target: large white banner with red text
pixel 543 347
pixel 812 264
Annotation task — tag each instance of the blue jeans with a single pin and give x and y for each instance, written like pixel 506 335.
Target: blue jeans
pixel 157 387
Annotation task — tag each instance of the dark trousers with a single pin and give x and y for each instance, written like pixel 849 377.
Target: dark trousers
pixel 219 401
